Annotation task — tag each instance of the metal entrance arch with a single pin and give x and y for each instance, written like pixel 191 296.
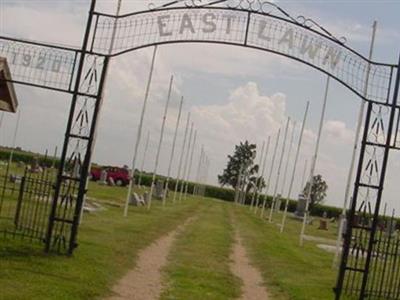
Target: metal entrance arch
pixel 248 23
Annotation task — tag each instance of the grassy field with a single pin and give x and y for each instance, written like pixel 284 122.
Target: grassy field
pixel 108 247
pixel 198 263
pixel 289 271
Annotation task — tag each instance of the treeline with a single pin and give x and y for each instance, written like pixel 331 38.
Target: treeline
pixel 227 194
pixel 28 157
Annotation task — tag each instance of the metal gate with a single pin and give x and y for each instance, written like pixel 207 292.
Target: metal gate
pixel 257 24
pixel 370 260
pixel 26 199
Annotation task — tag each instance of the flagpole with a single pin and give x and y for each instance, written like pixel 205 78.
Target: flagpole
pixel 294 167
pixel 258 179
pixel 304 173
pixel 355 148
pixel 181 157
pixel 270 174
pixel 262 175
pixel 198 171
pixel 186 163
pixel 294 125
pixel 139 133
pixel 160 141
pixel 313 163
pixel 278 175
pixel 172 150
pixel 190 164
pixel 144 158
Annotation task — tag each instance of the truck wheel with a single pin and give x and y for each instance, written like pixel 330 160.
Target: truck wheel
pixel 119 182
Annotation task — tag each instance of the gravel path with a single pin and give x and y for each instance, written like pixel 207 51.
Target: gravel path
pixel 144 282
pixel 252 288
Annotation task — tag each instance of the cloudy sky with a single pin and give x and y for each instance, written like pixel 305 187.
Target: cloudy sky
pixel 233 93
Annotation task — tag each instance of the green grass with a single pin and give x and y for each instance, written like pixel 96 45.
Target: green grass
pixel 108 247
pixel 289 271
pixel 199 262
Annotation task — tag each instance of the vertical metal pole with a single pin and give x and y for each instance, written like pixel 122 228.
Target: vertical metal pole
pixel 198 171
pixel 57 189
pixel 294 167
pixel 144 158
pixel 186 163
pixel 270 175
pixel 203 166
pixel 206 164
pixel 205 175
pixel 160 142
pixel 258 179
pixel 139 134
pixel 172 150
pixel 262 175
pixel 190 164
pixel 110 49
pixel 288 158
pixel 278 175
pixel 355 147
pixel 347 241
pixel 303 178
pixel 87 160
pixel 314 162
pixel 83 183
pixel 181 157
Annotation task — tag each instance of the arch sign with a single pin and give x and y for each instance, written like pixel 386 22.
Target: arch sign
pixel 255 24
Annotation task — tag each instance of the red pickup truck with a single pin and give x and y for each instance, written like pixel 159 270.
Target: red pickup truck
pixel 119 175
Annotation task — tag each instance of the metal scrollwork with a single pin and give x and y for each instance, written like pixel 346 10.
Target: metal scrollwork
pixel 310 23
pixel 195 3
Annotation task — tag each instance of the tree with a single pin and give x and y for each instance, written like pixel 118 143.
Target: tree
pixel 242 162
pixel 318 191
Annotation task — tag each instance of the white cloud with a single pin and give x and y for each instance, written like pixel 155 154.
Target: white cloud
pixel 336 131
pixel 247 114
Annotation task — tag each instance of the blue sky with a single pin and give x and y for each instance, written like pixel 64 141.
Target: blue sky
pixel 226 87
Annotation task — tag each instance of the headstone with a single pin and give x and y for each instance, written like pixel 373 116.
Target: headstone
pixel 301 206
pixel 15 178
pixel 159 190
pixel 323 225
pixel 325 215
pixel 136 200
pixel 278 202
pixel 111 181
pixel 146 197
pixel 103 177
pixel 35 168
